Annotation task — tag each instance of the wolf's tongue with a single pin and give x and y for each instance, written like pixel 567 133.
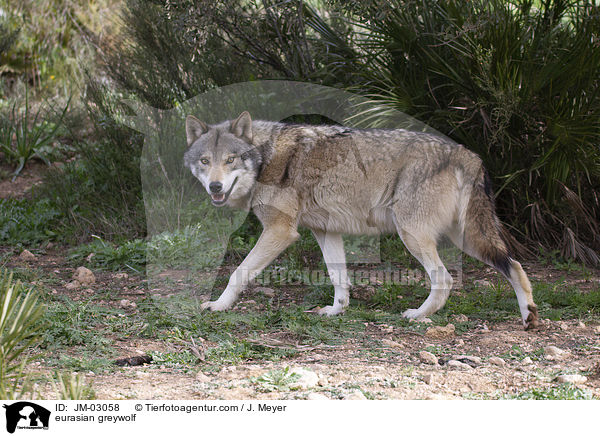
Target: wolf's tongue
pixel 218 197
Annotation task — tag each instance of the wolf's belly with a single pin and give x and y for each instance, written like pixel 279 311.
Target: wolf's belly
pixel 348 220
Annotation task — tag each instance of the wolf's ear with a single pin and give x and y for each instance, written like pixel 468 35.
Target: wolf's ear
pixel 194 128
pixel 242 126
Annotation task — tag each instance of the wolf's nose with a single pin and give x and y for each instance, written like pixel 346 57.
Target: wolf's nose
pixel 215 187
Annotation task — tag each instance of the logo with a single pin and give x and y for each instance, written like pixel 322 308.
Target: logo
pixel 26 415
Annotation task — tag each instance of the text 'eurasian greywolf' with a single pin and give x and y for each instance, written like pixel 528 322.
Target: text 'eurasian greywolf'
pixel 337 180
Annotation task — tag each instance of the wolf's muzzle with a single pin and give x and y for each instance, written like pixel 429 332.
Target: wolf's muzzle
pixel 218 198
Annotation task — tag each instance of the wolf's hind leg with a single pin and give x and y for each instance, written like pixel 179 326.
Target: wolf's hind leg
pixel 332 246
pixel 424 248
pixel 272 241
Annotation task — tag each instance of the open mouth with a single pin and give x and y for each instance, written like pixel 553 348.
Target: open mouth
pixel 220 198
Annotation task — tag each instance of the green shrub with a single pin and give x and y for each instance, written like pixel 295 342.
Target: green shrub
pixel 517 82
pixel 20 326
pixel 27 222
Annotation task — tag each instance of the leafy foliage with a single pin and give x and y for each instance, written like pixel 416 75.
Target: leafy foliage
pixel 20 325
pixel 515 82
pixel 24 135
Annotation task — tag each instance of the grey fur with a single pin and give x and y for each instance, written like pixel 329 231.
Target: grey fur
pixel 336 180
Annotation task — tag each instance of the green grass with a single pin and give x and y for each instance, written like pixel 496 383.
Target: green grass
pixel 26 222
pixel 276 380
pixel 564 391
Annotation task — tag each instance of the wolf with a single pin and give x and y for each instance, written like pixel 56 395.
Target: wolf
pixel 337 180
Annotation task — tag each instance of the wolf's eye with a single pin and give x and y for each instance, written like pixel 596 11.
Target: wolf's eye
pixel 204 161
pixel 230 160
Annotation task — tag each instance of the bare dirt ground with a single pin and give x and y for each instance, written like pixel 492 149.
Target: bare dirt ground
pixel 30 176
pixel 489 360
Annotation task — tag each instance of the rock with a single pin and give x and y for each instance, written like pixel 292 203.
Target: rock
pixel 483 283
pixel 439 332
pixel 498 361
pixel 392 344
pixel 429 378
pixel 458 364
pixel 120 276
pixel 316 396
pixel 72 285
pixel 427 357
pixel 202 378
pixel 473 359
pixel 308 379
pixel 355 395
pixel 461 318
pixel 84 276
pixel 268 292
pixel 563 325
pixel 127 304
pixel 597 329
pixel 27 256
pixel 571 378
pixel 581 325
pixel 527 361
pixel 554 353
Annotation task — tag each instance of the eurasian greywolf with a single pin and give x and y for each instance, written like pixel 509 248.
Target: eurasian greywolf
pixel 337 180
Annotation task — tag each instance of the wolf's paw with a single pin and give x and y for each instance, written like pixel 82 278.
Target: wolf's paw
pixel 330 310
pixel 214 306
pixel 532 321
pixel 413 314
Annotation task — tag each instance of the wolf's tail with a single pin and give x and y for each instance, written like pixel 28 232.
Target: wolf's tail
pixel 483 231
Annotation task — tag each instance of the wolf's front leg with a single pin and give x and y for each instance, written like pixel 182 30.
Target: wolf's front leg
pixel 272 241
pixel 332 246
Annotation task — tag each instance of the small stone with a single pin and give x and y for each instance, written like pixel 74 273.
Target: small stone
pixel 458 364
pixel 315 396
pixel 355 395
pixel 120 276
pixel 483 283
pixel 27 256
pixel 308 379
pixel 202 378
pixel 268 292
pixel 391 344
pixel 428 358
pixel 498 361
pixel 127 304
pixel 563 325
pixel 474 359
pixel 71 286
pixel 460 343
pixel 439 332
pixel 527 361
pixel 429 378
pixel 597 329
pixel 461 318
pixel 581 325
pixel 551 350
pixel 571 378
pixel 84 276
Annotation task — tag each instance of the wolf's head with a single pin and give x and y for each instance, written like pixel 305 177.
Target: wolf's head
pixel 223 157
